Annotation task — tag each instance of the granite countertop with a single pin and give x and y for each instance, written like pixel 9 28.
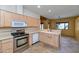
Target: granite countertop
pixel 55 33
pixel 5 36
pixel 32 32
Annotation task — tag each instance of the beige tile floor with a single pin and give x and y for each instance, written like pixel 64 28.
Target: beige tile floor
pixel 68 45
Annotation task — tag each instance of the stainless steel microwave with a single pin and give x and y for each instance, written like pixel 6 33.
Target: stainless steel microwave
pixel 18 23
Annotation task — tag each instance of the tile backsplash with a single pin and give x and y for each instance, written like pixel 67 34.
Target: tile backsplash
pixel 4 31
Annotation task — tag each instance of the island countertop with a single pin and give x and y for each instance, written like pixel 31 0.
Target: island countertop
pixel 55 33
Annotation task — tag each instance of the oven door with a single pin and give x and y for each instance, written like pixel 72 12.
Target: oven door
pixel 21 41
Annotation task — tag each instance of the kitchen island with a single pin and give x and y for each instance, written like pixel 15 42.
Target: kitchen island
pixel 51 38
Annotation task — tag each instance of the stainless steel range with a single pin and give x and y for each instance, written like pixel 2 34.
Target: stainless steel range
pixel 20 40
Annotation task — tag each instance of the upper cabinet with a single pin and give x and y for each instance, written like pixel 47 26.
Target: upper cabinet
pixel 32 21
pixel 6 19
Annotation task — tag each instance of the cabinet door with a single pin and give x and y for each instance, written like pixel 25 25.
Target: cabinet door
pixel 6 18
pixel 77 28
pixel 33 22
pixel 2 18
pixel 19 17
pixel 7 46
pixel 35 37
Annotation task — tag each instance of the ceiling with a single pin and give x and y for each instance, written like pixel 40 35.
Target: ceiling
pixel 57 11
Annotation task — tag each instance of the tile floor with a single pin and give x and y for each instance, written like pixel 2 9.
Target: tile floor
pixel 68 45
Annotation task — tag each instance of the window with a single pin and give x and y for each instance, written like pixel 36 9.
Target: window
pixel 62 25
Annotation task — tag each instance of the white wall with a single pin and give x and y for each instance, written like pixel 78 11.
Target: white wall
pixel 30 13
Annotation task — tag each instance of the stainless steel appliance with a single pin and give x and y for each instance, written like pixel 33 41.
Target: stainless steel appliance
pixel 18 23
pixel 20 40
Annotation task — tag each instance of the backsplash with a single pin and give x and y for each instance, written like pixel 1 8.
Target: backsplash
pixel 7 31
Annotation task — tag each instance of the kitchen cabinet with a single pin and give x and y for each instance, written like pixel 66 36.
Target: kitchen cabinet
pixel 50 39
pixel 20 20
pixel 0 46
pixel 33 22
pixel 18 17
pixel 1 18
pixel 35 38
pixel 77 29
pixel 6 18
pixel 7 46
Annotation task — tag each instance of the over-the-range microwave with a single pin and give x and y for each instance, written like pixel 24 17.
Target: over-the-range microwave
pixel 18 23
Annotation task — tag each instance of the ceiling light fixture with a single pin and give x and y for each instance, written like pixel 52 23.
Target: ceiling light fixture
pixel 38 6
pixel 49 11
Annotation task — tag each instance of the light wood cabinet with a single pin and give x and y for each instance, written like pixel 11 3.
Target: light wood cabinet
pixel 19 17
pixel 53 40
pixel 7 46
pixel 77 29
pixel 0 46
pixel 0 18
pixel 6 18
pixel 33 22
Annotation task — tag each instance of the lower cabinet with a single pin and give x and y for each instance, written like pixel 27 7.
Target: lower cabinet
pixel 51 39
pixel 7 46
pixel 0 46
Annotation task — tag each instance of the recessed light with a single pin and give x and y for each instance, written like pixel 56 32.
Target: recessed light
pixel 49 11
pixel 38 6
